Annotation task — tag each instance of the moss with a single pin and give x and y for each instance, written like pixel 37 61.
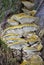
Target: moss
pixel 6 57
pixel 9 6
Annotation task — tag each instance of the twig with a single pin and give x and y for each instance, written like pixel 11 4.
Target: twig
pixel 39 6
